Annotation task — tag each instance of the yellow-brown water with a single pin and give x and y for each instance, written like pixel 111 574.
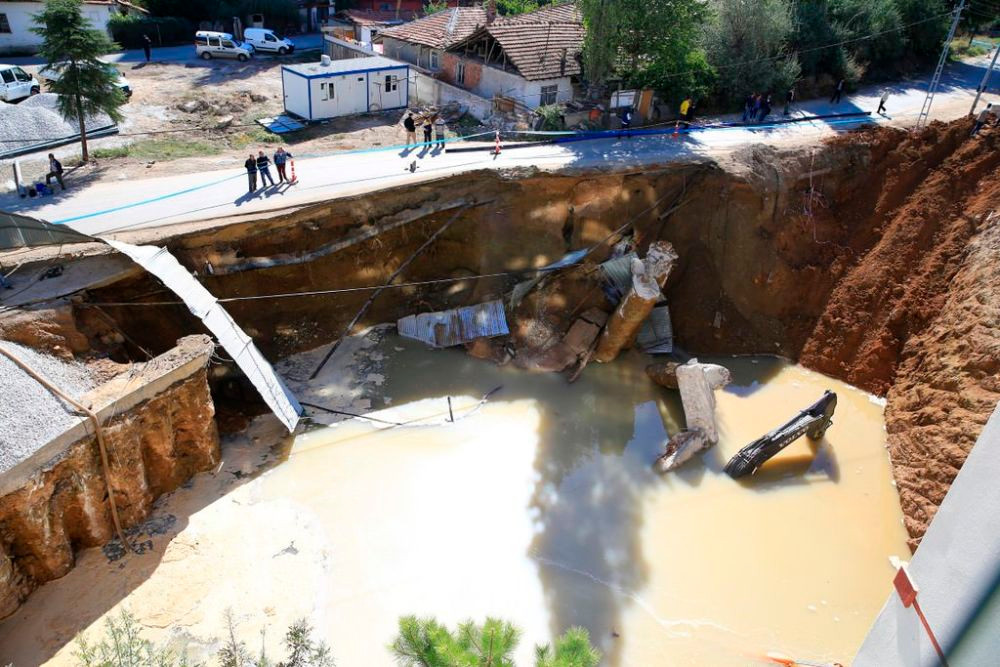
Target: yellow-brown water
pixel 542 507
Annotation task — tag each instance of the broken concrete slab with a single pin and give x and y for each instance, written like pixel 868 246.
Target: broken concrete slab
pixel 648 277
pixel 697 383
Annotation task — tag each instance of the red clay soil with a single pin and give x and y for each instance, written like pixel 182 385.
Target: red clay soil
pixel 918 314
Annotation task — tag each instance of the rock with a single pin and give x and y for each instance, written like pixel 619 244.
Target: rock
pixel 258 97
pixel 584 331
pixel 663 374
pixel 222 122
pixel 681 448
pixel 191 106
pixel 697 383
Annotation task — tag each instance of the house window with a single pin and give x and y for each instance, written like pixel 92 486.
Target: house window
pixel 549 94
pixel 4 23
pixel 435 60
pixel 460 73
pixel 325 91
pixel 391 83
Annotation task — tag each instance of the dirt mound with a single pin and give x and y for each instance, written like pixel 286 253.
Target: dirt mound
pixel 916 315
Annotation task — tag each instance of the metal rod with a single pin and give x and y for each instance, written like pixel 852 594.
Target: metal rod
pixel 986 80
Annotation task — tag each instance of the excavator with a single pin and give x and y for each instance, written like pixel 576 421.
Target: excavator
pixel 813 422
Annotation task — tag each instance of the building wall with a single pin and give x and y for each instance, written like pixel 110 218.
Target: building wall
pixel 296 91
pixel 427 90
pixel 379 95
pixel 494 81
pixel 338 49
pixel 473 71
pixel 339 95
pixel 20 17
pixel 421 56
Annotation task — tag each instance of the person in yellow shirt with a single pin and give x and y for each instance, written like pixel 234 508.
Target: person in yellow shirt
pixel 686 109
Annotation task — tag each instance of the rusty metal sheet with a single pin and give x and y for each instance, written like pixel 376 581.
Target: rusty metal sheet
pixel 618 276
pixel 656 336
pixel 454 327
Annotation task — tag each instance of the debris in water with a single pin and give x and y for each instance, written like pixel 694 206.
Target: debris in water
pixel 697 383
pixel 454 327
pixel 813 422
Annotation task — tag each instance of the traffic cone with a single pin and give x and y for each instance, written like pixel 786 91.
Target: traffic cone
pixel 294 179
pixel 496 145
pixel 677 126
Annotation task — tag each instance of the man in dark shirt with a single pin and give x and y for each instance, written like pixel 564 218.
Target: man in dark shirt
pixel 251 165
pixel 55 171
pixel 263 164
pixel 411 129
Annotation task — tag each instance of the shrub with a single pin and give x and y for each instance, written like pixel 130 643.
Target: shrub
pixel 128 30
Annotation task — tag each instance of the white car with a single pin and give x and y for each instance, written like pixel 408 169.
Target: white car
pixel 121 83
pixel 208 45
pixel 16 84
pixel 262 39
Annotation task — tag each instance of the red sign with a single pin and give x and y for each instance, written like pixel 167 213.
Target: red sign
pixel 905 587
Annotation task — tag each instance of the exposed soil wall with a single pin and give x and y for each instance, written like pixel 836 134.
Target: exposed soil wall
pixel 62 505
pixel 866 258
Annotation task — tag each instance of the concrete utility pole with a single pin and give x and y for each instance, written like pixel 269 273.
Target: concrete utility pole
pixel 925 110
pixel 986 80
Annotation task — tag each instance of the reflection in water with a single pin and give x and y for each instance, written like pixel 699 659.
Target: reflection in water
pixel 688 568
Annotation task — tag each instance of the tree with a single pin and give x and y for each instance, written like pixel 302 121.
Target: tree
pixel 573 649
pixel 747 43
pixel 303 650
pixel 876 28
pixel 72 47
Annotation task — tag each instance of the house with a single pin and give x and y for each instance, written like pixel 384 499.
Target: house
pixel 362 25
pixel 18 18
pixel 424 41
pixel 528 60
pixel 332 88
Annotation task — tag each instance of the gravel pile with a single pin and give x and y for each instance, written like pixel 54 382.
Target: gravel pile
pixel 30 415
pixel 37 118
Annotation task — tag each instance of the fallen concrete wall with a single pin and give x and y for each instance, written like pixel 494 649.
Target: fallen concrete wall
pixel 160 430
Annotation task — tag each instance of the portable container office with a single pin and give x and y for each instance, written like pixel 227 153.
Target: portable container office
pixel 332 88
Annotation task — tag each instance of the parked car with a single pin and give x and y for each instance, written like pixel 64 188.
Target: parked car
pixel 121 83
pixel 262 39
pixel 16 84
pixel 210 45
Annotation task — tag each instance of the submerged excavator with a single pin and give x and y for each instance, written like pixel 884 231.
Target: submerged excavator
pixel 813 422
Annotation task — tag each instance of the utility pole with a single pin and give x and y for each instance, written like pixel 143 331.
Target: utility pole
pixel 925 110
pixel 986 80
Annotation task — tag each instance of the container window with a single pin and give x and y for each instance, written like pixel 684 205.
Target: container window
pixel 391 83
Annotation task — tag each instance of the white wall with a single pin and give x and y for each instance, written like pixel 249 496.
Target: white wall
pixel 498 82
pixel 20 17
pixel 296 93
pixel 427 90
pixel 348 96
pixel 381 98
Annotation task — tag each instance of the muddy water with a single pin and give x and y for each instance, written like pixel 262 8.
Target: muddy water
pixel 541 506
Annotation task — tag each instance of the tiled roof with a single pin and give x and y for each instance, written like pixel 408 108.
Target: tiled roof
pixel 373 17
pixel 535 42
pixel 441 29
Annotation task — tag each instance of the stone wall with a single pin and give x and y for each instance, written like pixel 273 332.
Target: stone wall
pixel 160 430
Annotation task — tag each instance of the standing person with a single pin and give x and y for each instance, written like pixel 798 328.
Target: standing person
pixel 881 102
pixel 411 129
pixel 789 100
pixel 439 132
pixel 251 166
pixel 686 109
pixel 626 120
pixel 263 166
pixel 837 92
pixel 55 171
pixel 147 47
pixel 280 158
pixel 765 108
pixel 984 116
pixel 428 132
pixel 747 107
pixel 755 107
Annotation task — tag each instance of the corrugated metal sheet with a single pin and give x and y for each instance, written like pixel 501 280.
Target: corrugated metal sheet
pixel 656 336
pixel 233 339
pixel 457 326
pixel 21 231
pixel 618 276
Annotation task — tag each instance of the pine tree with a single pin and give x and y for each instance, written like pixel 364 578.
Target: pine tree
pixel 72 47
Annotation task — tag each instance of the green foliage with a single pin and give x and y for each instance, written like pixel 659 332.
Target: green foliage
pixel 72 46
pixel 423 642
pixel 857 19
pixel 573 649
pixel 924 38
pixel 551 117
pixel 303 650
pixel 747 43
pixel 128 30
pixel 435 6
pixel 813 29
pixel 121 646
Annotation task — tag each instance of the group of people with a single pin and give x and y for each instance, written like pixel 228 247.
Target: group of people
pixel 757 107
pixel 261 164
pixel 430 122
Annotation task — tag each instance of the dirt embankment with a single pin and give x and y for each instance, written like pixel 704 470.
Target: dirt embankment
pixel 917 315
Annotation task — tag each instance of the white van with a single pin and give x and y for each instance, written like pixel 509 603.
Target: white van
pixel 262 39
pixel 208 45
pixel 121 83
pixel 16 84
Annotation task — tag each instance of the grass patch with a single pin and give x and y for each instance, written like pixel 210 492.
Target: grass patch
pixel 110 153
pixel 170 149
pixel 960 48
pixel 254 137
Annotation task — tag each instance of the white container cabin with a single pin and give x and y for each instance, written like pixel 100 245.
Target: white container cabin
pixel 331 88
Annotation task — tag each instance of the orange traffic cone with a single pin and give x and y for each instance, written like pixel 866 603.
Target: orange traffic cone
pixel 294 179
pixel 496 145
pixel 677 126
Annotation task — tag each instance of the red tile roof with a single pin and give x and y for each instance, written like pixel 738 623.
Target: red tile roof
pixel 544 44
pixel 441 29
